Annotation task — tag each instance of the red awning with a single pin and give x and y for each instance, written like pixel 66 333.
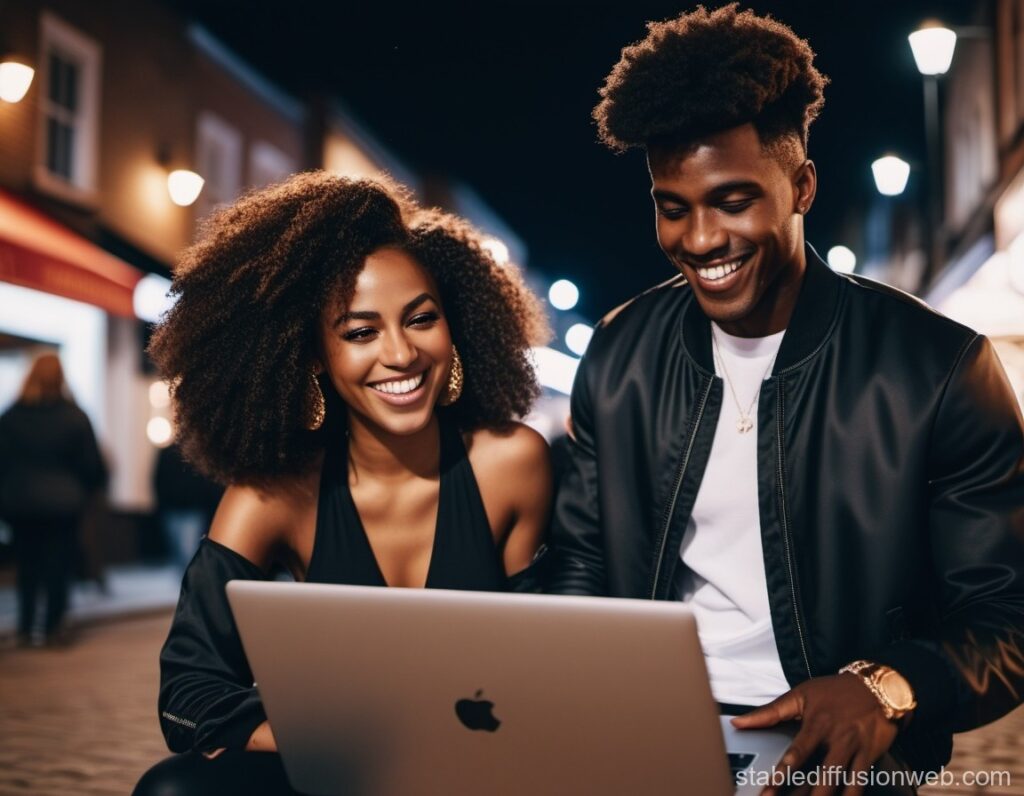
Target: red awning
pixel 40 253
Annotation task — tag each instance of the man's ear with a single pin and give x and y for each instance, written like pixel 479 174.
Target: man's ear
pixel 805 186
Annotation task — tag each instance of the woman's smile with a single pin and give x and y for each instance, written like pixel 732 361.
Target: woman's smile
pixel 401 391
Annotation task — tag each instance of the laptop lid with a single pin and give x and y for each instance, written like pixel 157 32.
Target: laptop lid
pixel 373 691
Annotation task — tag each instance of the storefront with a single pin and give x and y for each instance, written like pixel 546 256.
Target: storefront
pixel 61 292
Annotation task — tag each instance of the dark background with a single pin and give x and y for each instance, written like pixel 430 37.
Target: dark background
pixel 499 94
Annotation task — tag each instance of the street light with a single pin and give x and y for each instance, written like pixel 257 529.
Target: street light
pixel 578 338
pixel 159 395
pixel 563 295
pixel 151 298
pixel 891 175
pixel 497 249
pixel 933 46
pixel 15 79
pixel 184 186
pixel 842 259
pixel 159 431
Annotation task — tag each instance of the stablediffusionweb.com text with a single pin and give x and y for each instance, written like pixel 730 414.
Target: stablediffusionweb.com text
pixel 840 777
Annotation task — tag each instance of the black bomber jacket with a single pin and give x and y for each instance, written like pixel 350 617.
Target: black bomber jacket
pixel 890 478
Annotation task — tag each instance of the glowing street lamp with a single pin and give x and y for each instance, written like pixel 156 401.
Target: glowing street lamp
pixel 933 47
pixel 578 338
pixel 151 297
pixel 184 186
pixel 842 260
pixel 497 249
pixel 15 79
pixel 159 431
pixel 891 175
pixel 159 395
pixel 563 295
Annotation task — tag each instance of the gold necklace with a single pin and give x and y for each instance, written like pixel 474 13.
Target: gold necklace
pixel 745 422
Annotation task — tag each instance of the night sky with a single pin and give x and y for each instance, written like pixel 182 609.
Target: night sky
pixel 499 95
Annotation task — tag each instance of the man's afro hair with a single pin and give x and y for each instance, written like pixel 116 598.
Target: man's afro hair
pixel 707 71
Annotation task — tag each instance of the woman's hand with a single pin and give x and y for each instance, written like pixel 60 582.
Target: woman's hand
pixel 262 739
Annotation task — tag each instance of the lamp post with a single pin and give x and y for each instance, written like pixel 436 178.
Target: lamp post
pixel 933 46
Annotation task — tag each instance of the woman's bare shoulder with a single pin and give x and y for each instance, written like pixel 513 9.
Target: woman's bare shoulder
pixel 515 461
pixel 516 445
pixel 258 520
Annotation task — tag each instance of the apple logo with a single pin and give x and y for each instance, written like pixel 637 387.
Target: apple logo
pixel 476 713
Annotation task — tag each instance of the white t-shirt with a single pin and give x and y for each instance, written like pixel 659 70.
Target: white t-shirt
pixel 723 576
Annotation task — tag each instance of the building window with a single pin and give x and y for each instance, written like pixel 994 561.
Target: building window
pixel 219 157
pixel 268 164
pixel 68 111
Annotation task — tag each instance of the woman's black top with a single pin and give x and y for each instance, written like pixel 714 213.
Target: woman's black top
pixel 463 556
pixel 207 699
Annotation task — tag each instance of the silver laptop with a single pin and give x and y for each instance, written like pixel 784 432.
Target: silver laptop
pixel 410 692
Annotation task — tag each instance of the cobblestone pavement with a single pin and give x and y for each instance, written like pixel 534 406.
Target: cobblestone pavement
pixel 82 720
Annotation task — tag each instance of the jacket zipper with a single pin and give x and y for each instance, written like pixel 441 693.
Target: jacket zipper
pixel 183 722
pixel 785 534
pixel 671 507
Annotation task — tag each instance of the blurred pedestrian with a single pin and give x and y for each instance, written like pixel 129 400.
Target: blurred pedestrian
pixel 185 503
pixel 50 467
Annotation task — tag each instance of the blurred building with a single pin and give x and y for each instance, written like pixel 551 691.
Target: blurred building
pixel 122 95
pixel 983 282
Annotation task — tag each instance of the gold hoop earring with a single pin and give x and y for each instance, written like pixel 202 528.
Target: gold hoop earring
pixel 317 405
pixel 456 380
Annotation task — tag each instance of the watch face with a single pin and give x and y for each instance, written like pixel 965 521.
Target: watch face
pixel 897 690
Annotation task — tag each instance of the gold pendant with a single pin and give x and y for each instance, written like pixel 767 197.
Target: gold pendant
pixel 744 424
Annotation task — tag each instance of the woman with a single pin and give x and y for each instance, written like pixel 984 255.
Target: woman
pixel 351 367
pixel 50 466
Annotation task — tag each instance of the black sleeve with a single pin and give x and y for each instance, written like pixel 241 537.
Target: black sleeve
pixel 577 546
pixel 207 697
pixel 973 671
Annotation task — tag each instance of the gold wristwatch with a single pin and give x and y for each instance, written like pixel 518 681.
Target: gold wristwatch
pixel 890 688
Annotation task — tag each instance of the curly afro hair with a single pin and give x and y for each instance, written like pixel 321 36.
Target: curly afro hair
pixel 493 317
pixel 707 71
pixel 240 343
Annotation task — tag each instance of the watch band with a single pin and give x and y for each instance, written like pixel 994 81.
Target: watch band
pixel 870 674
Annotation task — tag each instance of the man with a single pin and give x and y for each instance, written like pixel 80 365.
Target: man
pixel 826 470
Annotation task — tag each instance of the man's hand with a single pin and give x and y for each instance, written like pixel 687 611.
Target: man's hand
pixel 840 720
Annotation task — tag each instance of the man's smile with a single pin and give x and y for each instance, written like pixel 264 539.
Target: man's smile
pixel 721 274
